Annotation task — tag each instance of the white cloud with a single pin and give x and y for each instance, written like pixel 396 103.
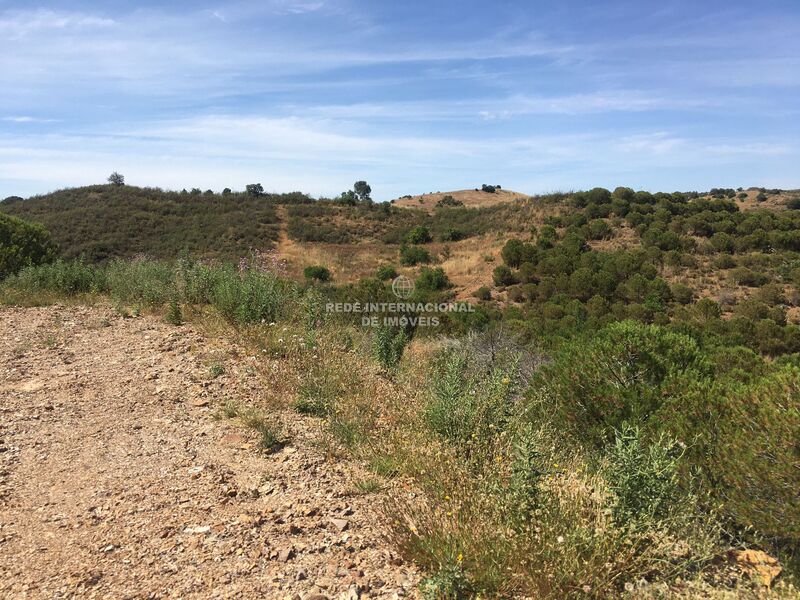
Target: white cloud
pixel 25 119
pixel 19 23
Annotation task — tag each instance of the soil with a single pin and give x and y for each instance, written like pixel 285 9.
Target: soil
pixel 117 481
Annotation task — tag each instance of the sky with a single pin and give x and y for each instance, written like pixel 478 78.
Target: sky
pixel 411 96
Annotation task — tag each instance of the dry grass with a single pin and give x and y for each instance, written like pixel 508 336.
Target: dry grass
pixel 470 198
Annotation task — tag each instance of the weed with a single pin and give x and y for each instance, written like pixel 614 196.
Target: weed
pixel 448 583
pixel 270 439
pixel 368 486
pixel 216 370
pixel 388 345
pixel 174 314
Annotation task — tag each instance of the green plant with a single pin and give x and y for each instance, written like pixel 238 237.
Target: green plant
pixel 483 293
pixel 502 275
pixel 269 437
pixel 448 583
pixel 597 383
pixel 369 485
pixel 386 272
pixel 216 370
pixel 174 314
pixel 643 477
pixel 317 273
pixel 23 244
pixel 432 280
pixel 419 235
pixel 388 344
pixel 413 255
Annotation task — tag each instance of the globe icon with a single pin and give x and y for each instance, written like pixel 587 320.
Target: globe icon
pixel 402 287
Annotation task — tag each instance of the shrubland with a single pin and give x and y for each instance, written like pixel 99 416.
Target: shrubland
pixel 608 422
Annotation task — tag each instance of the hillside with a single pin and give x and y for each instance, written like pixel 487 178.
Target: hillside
pixel 474 198
pixel 105 221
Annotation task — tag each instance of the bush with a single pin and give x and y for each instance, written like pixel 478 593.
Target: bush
pixel 388 344
pixel 448 200
pixel 502 275
pixel 748 277
pixel 682 294
pixel 413 255
pixel 251 297
pixel 419 235
pixel 643 478
pixel 750 459
pixel 516 252
pixel 23 244
pixel 432 280
pixel 619 375
pixel 317 273
pixel 386 272
pixel 60 278
pixel 482 293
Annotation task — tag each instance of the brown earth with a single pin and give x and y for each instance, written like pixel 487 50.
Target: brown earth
pixel 115 480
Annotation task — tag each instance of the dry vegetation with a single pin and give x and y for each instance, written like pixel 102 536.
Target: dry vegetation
pixel 618 418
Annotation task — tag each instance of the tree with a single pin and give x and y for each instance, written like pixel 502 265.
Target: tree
pixel 254 189
pixel 23 244
pixel 348 198
pixel 116 179
pixel 363 191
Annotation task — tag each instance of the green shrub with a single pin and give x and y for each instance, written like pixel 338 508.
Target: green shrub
pixel 432 280
pixel 174 314
pixel 60 278
pixel 419 235
pixel 482 293
pixel 743 440
pixel 618 375
pixel 448 200
pixel 467 403
pixel 386 272
pixel 144 282
pixel 23 244
pixel 502 275
pixel 748 277
pixel 388 344
pixel 643 478
pixel 317 273
pixel 250 297
pixel 682 294
pixel 413 255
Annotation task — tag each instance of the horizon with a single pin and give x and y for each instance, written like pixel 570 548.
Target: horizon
pixel 313 95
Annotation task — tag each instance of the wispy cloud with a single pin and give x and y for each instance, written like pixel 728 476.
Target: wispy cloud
pixel 16 24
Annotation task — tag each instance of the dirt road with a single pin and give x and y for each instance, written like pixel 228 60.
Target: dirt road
pixel 115 480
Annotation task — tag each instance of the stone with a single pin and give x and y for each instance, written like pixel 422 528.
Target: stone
pixel 757 565
pixel 340 524
pixel 286 554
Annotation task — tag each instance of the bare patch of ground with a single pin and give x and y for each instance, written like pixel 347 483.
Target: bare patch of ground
pixel 115 480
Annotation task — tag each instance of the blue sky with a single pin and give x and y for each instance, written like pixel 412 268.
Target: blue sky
pixel 412 96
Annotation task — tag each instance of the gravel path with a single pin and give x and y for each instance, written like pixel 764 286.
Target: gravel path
pixel 115 480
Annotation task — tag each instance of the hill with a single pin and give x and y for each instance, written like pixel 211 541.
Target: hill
pixel 474 198
pixel 106 221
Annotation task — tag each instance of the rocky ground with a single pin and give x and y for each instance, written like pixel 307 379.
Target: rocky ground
pixel 116 480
